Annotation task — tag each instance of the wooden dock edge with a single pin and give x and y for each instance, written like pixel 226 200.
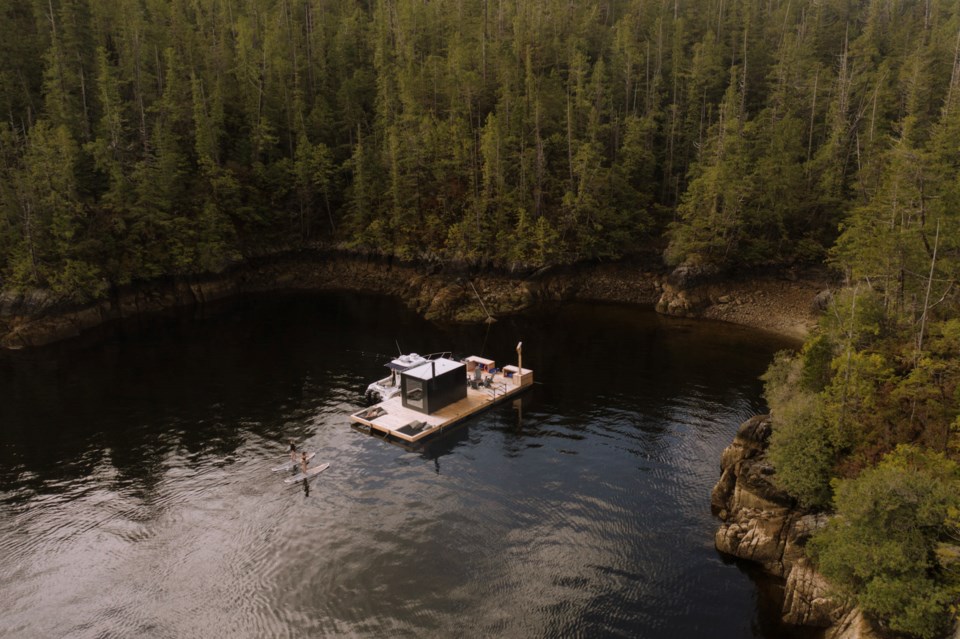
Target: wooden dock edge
pixel 514 389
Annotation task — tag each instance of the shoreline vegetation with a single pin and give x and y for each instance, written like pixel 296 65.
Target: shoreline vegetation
pixel 684 155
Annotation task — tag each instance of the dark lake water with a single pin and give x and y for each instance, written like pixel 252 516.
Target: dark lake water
pixel 137 497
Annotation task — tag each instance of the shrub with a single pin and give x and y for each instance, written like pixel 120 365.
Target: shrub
pixel 881 546
pixel 801 448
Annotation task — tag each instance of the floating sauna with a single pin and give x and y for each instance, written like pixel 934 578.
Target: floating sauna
pixel 433 385
pixel 441 393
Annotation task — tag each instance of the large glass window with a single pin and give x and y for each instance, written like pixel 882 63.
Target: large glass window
pixel 415 393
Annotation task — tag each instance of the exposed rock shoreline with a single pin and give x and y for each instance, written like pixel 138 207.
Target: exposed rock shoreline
pixel 782 303
pixel 762 524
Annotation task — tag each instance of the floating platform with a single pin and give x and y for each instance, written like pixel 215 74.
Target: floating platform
pixel 392 419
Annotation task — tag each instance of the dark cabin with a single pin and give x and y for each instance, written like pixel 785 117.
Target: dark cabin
pixel 434 385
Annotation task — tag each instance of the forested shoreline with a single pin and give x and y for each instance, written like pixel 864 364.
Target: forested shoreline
pixel 156 138
pixel 151 138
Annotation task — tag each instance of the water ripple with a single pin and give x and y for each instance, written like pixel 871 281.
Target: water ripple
pixel 144 503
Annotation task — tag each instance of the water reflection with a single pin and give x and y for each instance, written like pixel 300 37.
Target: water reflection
pixel 445 444
pixel 139 497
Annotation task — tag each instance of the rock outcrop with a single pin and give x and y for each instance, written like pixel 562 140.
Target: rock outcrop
pixel 784 302
pixel 763 524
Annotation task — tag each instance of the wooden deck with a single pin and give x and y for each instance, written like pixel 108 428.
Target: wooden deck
pixel 392 419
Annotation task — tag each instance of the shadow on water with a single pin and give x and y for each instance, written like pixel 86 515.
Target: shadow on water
pixel 444 444
pixel 767 621
pixel 581 508
pixel 145 387
pixel 506 418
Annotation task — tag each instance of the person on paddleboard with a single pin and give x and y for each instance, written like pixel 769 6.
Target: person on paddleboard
pixel 303 462
pixel 293 452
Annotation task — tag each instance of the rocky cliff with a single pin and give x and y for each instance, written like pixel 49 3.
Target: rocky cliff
pixel 761 523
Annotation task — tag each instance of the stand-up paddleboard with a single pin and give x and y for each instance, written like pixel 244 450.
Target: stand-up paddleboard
pixel 311 472
pixel 290 465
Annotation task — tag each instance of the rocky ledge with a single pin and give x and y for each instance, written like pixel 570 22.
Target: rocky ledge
pixel 763 524
pixel 785 302
pixel 34 318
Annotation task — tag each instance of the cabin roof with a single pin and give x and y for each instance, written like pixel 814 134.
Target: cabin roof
pixel 426 370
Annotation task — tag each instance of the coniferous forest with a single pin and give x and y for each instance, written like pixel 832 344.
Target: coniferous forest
pixel 146 138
